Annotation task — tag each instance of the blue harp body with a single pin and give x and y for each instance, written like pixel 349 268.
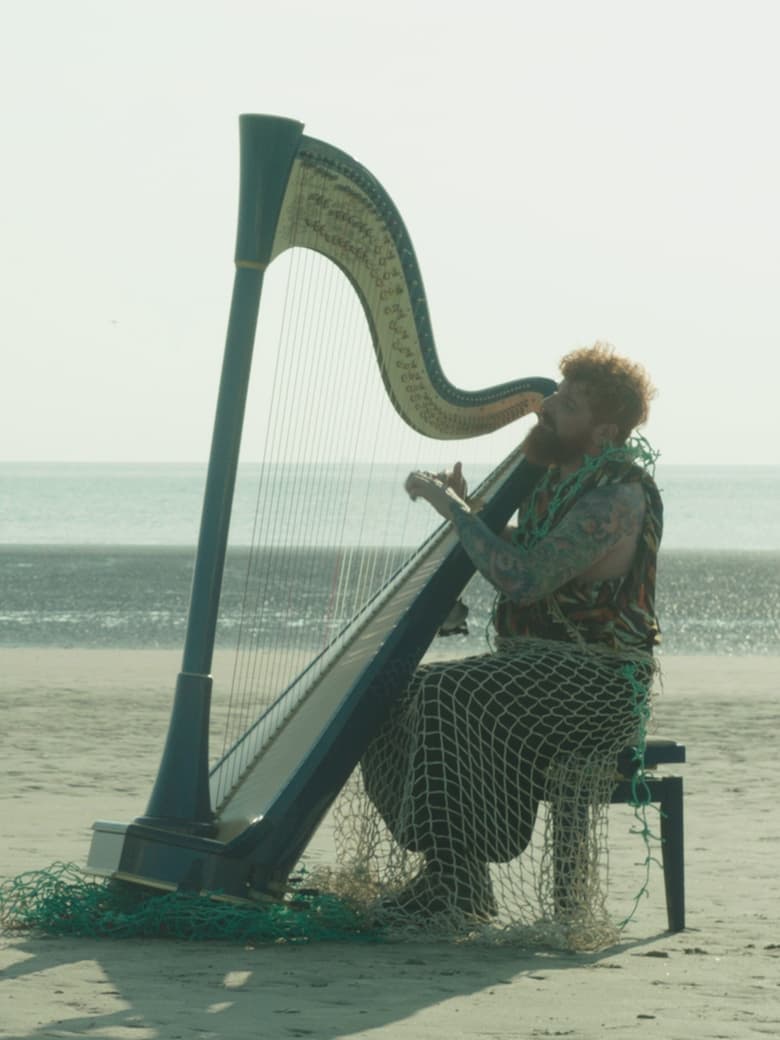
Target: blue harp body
pixel 296 191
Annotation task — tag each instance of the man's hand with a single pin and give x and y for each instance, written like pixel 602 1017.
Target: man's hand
pixel 435 492
pixel 455 480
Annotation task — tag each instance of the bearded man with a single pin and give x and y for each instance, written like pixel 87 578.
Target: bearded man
pixel 458 770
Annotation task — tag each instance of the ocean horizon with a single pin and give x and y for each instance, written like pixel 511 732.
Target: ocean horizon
pixel 95 503
pixel 101 555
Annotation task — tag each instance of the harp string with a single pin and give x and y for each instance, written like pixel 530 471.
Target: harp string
pixel 267 529
pixel 324 356
pixel 329 435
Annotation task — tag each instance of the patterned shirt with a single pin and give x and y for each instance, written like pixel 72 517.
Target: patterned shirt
pixel 616 612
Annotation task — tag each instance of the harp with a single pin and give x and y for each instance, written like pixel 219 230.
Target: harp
pixel 240 825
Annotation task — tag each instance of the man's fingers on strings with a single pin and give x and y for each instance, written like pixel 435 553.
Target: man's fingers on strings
pixel 458 481
pixel 419 482
pixel 416 483
pixel 410 486
pixel 453 479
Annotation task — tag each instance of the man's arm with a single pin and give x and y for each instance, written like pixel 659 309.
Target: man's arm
pixel 604 521
pixel 508 534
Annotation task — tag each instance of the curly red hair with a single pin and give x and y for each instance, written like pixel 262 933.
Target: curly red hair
pixel 619 391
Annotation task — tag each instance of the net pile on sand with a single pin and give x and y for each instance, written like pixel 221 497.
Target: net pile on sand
pixel 63 901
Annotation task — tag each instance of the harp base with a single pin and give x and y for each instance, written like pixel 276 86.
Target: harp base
pixel 175 862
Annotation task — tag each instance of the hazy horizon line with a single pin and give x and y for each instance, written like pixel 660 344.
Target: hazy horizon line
pixel 386 462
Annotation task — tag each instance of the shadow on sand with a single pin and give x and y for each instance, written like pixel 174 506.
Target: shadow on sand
pixel 167 989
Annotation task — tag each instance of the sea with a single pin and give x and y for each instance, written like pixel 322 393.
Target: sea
pixel 101 555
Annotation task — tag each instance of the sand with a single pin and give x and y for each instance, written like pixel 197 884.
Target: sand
pixel 81 740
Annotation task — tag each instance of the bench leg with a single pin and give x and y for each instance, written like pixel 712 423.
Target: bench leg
pixel 673 851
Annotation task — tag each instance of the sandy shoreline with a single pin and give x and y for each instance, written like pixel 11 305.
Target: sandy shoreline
pixel 82 735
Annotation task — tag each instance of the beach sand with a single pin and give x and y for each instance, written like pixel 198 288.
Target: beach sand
pixel 82 735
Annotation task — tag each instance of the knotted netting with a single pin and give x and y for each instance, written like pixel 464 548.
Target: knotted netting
pixel 63 900
pixel 482 802
pixel 484 798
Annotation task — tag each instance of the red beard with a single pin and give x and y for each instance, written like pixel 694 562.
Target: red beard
pixel 544 447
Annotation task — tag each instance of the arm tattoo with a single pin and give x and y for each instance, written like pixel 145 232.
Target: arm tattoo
pixel 585 535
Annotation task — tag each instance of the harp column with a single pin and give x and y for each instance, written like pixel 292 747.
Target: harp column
pixel 180 799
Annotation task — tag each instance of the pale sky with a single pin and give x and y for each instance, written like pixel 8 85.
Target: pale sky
pixel 568 171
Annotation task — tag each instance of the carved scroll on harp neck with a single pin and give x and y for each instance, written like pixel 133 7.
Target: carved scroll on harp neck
pixel 326 209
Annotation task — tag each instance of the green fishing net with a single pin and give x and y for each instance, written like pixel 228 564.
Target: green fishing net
pixel 62 900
